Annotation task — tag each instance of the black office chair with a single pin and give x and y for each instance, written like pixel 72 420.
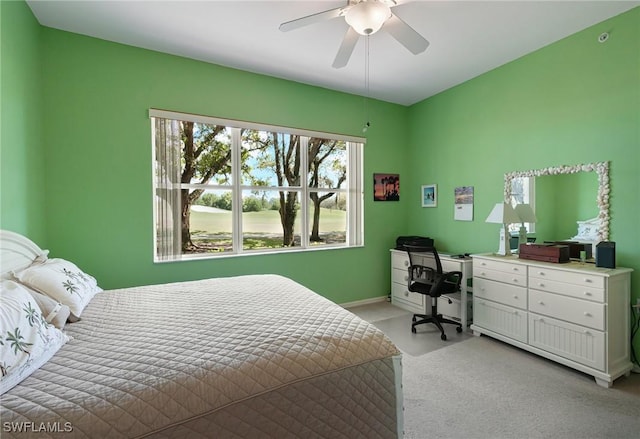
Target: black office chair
pixel 426 277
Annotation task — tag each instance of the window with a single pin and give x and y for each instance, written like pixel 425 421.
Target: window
pixel 227 187
pixel 523 192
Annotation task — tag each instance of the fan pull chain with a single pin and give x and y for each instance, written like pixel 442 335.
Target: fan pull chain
pixel 367 123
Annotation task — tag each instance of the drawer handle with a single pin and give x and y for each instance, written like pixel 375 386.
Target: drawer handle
pixel 515 313
pixel 515 268
pixel 406 263
pixel 406 294
pixel 483 273
pixel 515 280
pixel 587 332
pixel 587 280
pixel 588 314
pixel 540 302
pixel 541 285
pixel 483 264
pixel 541 273
pixel 482 289
pixel 586 293
pixel 515 296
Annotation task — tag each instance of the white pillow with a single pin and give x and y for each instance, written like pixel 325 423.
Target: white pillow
pixel 27 341
pixel 53 311
pixel 61 280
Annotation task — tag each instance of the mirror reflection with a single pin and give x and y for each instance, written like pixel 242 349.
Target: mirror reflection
pixel 570 202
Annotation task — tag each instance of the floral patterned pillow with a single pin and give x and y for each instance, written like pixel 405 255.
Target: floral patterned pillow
pixel 27 341
pixel 61 280
pixel 53 311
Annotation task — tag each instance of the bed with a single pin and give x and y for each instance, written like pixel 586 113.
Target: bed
pixel 256 356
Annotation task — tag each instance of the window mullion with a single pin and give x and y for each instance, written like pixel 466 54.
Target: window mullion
pixel 304 193
pixel 236 178
pixel 355 202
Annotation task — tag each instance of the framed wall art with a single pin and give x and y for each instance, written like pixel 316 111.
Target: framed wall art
pixel 386 187
pixel 429 195
pixel 463 208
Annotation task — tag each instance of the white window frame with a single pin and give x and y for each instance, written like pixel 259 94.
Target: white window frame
pixel 354 189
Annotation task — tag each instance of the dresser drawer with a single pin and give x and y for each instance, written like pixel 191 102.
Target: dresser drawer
pixel 583 279
pixel 581 312
pixel 501 319
pixel 501 276
pixel 400 291
pixel 400 260
pixel 573 290
pixel 506 267
pixel 499 292
pixel 400 276
pixel 570 341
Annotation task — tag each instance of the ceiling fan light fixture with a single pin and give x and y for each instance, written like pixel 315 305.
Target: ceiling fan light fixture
pixel 367 17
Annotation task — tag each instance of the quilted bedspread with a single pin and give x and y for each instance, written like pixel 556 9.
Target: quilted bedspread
pixel 250 356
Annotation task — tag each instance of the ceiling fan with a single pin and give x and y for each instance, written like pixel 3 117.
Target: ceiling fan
pixel 364 17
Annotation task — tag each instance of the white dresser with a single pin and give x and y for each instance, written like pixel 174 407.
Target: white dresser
pixel 575 314
pixel 459 309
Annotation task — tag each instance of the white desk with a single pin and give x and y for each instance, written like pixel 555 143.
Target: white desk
pixel 415 302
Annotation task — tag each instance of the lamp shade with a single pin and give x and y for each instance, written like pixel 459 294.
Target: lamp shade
pixel 503 213
pixel 367 17
pixel 526 213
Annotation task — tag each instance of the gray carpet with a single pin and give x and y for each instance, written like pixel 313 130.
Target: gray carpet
pixel 479 388
pixel 482 388
pixel 426 338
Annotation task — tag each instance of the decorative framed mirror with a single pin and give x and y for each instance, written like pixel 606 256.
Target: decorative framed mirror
pixel 599 227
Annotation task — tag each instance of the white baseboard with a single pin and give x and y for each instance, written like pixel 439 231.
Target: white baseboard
pixel 364 302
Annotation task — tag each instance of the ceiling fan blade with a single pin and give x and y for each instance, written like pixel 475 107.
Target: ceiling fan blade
pixel 346 48
pixel 311 19
pixel 405 35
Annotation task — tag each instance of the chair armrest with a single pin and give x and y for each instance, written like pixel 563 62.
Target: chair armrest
pixel 449 282
pixel 453 276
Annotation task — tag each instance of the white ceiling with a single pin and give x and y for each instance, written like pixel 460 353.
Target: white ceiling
pixel 467 38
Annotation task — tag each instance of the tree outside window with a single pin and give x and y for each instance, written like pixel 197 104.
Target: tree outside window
pixel 223 188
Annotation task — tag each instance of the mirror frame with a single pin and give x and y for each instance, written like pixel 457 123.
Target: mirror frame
pixel 601 168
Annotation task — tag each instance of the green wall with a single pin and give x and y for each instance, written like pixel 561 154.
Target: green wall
pixel 76 153
pixel 575 101
pixel 22 168
pixel 99 182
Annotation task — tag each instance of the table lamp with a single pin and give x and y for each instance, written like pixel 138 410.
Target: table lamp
pixel 526 214
pixel 504 214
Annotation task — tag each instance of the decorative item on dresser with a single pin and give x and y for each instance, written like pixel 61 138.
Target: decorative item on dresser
pixel 460 306
pixel 527 215
pixel 575 314
pixel 505 214
pixel 557 254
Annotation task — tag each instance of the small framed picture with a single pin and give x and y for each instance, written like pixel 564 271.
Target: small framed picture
pixel 386 187
pixel 463 208
pixel 429 195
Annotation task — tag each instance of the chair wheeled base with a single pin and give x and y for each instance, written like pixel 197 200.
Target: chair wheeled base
pixel 437 320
